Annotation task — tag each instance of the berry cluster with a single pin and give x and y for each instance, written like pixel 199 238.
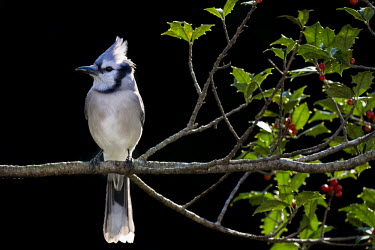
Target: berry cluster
pixel 334 188
pixel 291 128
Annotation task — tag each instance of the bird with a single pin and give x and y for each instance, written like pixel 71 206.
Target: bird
pixel 115 112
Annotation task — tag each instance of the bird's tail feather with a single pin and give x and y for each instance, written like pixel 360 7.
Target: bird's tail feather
pixel 118 219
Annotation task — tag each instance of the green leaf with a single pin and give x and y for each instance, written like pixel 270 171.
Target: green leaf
pixel 285 246
pixel 228 7
pixel 368 196
pixel 184 30
pixel 363 81
pixel 293 20
pixel 272 221
pixel 241 75
pixel 271 205
pixel 303 16
pixel 346 37
pixel 313 34
pixel 278 52
pixel 216 12
pixel 308 69
pixel 316 130
pixel 180 30
pixel 339 90
pixel 360 212
pixel 201 30
pixel 298 180
pixel 311 225
pixel 367 13
pixel 255 198
pixel 306 196
pixel 353 12
pixel 301 115
pixel 259 78
pixel 289 43
pixel 321 115
pixel 308 52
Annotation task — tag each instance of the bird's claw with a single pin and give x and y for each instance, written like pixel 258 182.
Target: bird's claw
pixel 95 162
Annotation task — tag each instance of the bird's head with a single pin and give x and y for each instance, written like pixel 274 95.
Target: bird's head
pixel 112 69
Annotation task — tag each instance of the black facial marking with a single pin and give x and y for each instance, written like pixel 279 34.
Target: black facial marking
pixel 121 73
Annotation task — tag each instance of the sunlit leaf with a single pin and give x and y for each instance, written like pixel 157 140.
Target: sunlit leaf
pixel 271 205
pixel 228 7
pixel 301 115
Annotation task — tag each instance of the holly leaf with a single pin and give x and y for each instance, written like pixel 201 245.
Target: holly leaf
pixel 360 212
pixel 346 37
pixel 308 52
pixel 278 52
pixel 218 12
pixel 271 205
pixel 201 30
pixel 184 30
pixel 363 81
pixel 367 13
pixel 285 246
pixel 228 7
pixel 305 197
pixel 368 196
pixel 303 16
pixel 298 180
pixel 313 34
pixel 272 221
pixel 289 43
pixel 316 130
pixel 301 115
pixel 353 12
pixel 339 90
pixel 321 115
pixel 255 198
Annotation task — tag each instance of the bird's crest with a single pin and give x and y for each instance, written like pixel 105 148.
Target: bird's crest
pixel 117 52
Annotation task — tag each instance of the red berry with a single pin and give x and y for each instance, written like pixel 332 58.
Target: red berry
pixel 333 182
pixel 293 203
pixel 373 118
pixel 322 78
pixel 324 187
pixel 267 177
pixel 294 131
pixel 350 102
pixel 276 126
pixel 259 1
pixel 353 2
pixel 292 126
pixel 338 188
pixel 373 231
pixel 338 194
pixel 288 121
pixel 321 66
pixel 330 190
pixel 367 128
pixel 370 113
pixel 352 60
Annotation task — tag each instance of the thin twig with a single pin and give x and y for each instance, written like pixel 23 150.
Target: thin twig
pixel 326 214
pixel 220 106
pixel 191 69
pixel 230 197
pixel 204 193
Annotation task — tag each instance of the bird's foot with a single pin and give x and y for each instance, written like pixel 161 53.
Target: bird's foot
pixel 95 162
pixel 129 162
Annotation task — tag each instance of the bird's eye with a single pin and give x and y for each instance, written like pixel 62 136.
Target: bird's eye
pixel 108 69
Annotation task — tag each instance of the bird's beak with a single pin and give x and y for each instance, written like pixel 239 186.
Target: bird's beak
pixel 88 70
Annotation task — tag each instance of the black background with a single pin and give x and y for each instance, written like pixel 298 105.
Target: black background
pixel 42 98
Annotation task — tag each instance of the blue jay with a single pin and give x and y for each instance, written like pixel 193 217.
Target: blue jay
pixel 115 113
